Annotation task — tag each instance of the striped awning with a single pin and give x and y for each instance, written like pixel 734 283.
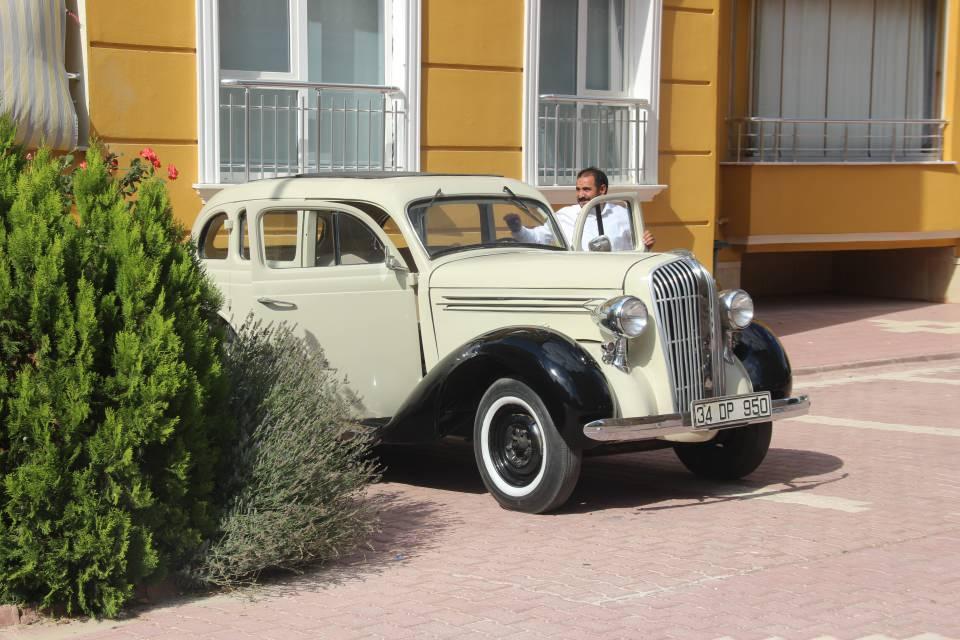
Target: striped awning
pixel 34 87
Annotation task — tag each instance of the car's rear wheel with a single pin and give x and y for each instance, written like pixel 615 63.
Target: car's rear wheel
pixel 524 462
pixel 732 454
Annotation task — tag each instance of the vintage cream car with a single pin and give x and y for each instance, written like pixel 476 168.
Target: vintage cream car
pixel 446 326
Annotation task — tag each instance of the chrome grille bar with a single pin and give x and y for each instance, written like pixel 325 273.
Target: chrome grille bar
pixel 684 307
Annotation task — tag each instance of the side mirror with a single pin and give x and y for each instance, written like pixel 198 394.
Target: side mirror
pixel 600 243
pixel 394 263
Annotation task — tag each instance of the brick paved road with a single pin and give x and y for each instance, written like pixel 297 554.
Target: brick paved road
pixel 850 529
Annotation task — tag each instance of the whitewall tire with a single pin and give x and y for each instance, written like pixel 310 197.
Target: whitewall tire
pixel 524 462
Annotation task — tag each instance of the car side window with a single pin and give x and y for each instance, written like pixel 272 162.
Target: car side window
pixel 341 239
pixel 325 250
pixel 215 238
pixel 279 230
pixel 358 244
pixel 244 236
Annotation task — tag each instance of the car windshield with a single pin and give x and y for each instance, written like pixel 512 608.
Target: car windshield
pixel 447 224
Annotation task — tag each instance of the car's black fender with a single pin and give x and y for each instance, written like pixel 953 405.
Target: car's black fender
pixel 568 380
pixel 765 360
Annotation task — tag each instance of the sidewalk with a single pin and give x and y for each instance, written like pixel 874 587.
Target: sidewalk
pixel 842 533
pixel 821 333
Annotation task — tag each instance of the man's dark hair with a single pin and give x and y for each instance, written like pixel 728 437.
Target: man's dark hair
pixel 599 177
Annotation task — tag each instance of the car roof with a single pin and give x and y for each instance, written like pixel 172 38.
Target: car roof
pixel 393 190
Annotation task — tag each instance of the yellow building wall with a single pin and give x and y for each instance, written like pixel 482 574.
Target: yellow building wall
pixel 472 84
pixel 684 215
pixel 142 83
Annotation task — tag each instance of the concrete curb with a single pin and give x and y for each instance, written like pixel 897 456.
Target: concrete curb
pixel 865 364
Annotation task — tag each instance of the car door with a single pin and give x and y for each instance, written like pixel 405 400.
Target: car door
pixel 324 267
pixel 633 236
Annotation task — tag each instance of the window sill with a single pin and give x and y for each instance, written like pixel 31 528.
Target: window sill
pixel 787 163
pixel 568 194
pixel 208 190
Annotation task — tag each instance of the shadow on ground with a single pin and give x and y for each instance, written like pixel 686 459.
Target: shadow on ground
pixel 796 314
pixel 648 481
pixel 637 480
pixel 408 528
pixel 449 466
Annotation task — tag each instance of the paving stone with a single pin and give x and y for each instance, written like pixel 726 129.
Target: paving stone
pixel 645 549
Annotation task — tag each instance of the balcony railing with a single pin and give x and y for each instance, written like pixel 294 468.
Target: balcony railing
pixel 577 132
pixel 278 128
pixel 755 140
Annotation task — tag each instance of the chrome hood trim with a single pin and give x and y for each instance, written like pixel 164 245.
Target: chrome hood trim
pixel 535 269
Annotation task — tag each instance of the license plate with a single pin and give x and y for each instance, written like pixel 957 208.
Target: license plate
pixel 714 412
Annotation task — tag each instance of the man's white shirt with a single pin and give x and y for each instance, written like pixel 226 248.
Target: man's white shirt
pixel 616 226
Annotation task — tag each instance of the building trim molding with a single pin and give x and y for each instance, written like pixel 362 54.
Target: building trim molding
pixel 824 238
pixel 851 163
pixel 568 195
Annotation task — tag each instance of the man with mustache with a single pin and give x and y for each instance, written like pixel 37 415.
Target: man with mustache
pixel 613 220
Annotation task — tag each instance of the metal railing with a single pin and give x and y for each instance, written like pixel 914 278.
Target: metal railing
pixel 770 140
pixel 575 132
pixel 280 128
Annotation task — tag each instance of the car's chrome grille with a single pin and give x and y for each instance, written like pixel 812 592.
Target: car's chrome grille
pixel 682 293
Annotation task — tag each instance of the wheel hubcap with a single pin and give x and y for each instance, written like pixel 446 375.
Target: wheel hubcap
pixel 516 445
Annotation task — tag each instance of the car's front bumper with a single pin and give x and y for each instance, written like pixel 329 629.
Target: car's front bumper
pixel 650 427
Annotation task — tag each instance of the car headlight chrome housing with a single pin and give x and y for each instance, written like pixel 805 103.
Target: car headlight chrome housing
pixel 624 316
pixel 737 308
pixel 620 318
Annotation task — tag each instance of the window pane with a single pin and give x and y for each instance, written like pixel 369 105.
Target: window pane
pixel 454 224
pixel 358 244
pixel 853 60
pixel 244 237
pixel 274 149
pixel 325 249
pixel 215 239
pixel 280 237
pixel 605 45
pixel 346 41
pixel 255 35
pixel 558 47
pixel 352 128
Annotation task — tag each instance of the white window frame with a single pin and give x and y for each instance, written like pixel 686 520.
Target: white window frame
pixel 642 25
pixel 630 50
pixel 401 69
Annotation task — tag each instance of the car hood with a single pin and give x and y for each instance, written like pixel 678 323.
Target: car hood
pixel 535 269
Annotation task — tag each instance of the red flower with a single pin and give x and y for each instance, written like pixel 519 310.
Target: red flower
pixel 113 164
pixel 172 172
pixel 156 162
pixel 83 165
pixel 148 154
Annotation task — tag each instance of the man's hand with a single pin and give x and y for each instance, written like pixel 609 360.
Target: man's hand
pixel 648 239
pixel 513 222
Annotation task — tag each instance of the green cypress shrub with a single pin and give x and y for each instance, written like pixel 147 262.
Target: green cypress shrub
pixel 111 384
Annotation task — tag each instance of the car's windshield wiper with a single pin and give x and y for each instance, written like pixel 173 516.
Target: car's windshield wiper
pixel 433 200
pixel 517 201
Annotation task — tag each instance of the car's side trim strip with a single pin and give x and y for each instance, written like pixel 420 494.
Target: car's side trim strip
pixel 650 427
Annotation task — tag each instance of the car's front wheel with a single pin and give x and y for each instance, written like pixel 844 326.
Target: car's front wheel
pixel 524 462
pixel 731 455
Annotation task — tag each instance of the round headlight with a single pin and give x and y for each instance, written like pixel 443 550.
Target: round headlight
pixel 624 315
pixel 737 306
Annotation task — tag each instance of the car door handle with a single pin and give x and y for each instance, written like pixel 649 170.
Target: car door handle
pixel 276 303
